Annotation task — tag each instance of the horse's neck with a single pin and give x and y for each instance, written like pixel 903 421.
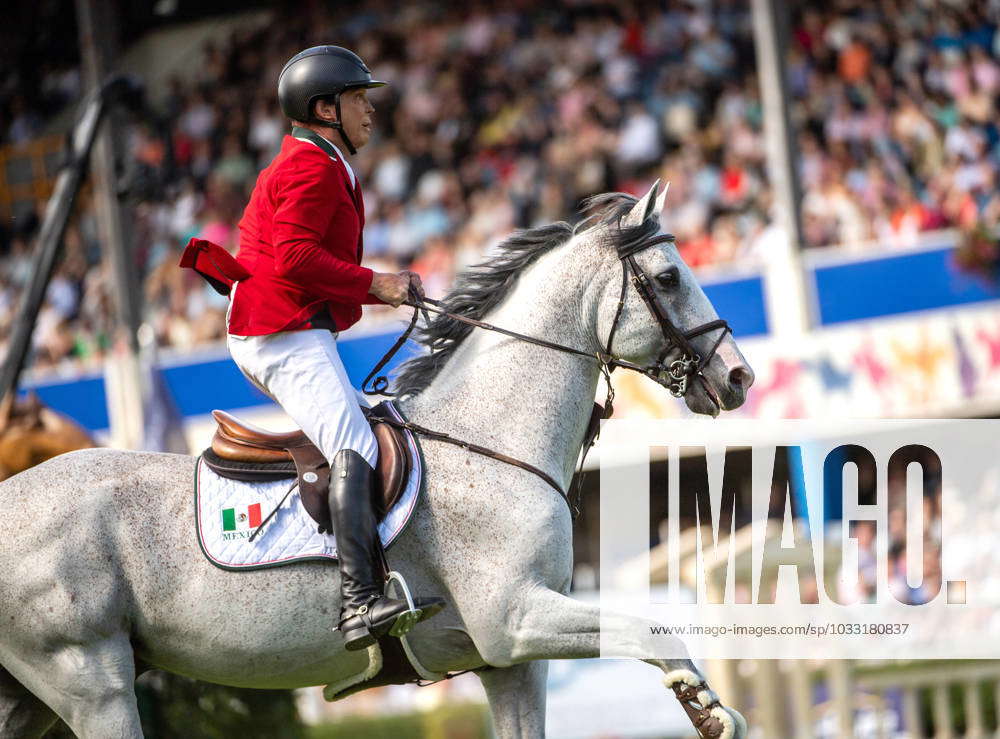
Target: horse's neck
pixel 524 400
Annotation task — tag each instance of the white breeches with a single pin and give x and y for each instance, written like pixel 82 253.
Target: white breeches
pixel 302 372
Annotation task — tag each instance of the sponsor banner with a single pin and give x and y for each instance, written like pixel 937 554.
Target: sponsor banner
pixel 810 539
pixel 945 363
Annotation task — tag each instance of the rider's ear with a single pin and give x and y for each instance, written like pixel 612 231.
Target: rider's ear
pixel 326 109
pixel 644 208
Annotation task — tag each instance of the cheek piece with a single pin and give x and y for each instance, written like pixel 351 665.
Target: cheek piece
pixel 675 375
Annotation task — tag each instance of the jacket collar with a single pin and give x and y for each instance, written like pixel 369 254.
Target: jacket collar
pixel 329 148
pixel 310 135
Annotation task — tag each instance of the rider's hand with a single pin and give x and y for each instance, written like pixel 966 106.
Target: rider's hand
pixel 390 288
pixel 415 282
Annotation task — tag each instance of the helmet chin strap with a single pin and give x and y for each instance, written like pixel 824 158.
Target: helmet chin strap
pixel 337 126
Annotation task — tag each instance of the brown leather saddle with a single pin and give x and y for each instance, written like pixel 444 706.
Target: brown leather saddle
pixel 242 451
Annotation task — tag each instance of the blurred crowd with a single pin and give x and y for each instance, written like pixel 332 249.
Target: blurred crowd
pixel 895 103
pixel 505 117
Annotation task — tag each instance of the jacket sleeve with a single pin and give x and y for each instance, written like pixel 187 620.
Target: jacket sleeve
pixel 306 197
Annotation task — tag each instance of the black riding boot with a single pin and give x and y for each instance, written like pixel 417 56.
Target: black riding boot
pixel 366 614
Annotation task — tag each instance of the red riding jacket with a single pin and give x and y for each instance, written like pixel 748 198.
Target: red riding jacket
pixel 300 243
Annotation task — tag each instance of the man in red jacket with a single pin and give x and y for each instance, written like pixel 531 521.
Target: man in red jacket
pixel 300 242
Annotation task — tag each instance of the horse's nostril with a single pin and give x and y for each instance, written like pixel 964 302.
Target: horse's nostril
pixel 739 377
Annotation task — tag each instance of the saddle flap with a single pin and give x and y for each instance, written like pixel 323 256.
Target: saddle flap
pixel 393 467
pixel 314 483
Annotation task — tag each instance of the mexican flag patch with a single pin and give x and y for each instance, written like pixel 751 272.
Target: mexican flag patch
pixel 240 519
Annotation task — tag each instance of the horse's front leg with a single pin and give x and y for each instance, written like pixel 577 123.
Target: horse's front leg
pixel 548 625
pixel 517 699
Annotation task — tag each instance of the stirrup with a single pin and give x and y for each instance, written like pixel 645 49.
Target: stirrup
pixel 406 620
pixel 409 618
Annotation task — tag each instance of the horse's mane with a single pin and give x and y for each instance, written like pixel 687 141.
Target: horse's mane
pixel 480 288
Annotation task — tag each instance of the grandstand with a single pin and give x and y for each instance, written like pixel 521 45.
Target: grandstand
pixel 499 120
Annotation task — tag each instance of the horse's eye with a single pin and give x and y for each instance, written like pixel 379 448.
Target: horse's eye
pixel 668 277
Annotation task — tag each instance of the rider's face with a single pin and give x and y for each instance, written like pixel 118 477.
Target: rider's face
pixel 356 110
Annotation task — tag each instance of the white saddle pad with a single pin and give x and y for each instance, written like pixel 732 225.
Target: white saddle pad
pixel 228 511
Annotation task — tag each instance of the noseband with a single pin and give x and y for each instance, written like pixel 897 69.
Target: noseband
pixel 675 375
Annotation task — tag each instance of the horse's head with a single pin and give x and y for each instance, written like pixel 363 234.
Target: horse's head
pixel 31 433
pixel 658 318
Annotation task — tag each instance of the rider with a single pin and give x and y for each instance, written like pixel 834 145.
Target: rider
pixel 300 239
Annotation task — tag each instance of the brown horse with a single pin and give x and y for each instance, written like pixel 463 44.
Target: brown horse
pixel 31 433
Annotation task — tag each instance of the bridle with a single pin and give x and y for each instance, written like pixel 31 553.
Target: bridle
pixel 674 376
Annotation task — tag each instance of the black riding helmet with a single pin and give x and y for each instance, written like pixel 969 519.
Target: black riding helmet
pixel 321 71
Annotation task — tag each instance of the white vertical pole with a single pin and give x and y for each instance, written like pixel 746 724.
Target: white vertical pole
pixel 974 726
pixel 911 712
pixel 842 694
pixel 784 285
pixel 800 682
pixel 941 711
pixel 123 383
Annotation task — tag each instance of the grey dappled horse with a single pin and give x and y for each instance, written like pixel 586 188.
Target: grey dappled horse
pixel 101 576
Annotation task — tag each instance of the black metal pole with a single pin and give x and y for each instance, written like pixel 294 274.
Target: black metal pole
pixel 50 237
pixel 57 213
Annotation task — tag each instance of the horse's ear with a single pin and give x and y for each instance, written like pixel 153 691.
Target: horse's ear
pixel 644 208
pixel 6 410
pixel 33 408
pixel 661 199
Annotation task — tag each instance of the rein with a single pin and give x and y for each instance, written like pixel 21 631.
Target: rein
pixel 381 383
pixel 380 386
pixel 677 373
